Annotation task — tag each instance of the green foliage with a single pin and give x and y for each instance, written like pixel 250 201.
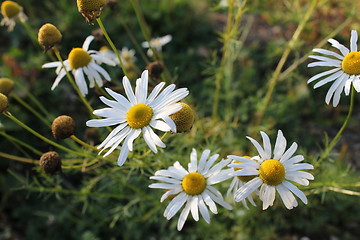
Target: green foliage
pixel 104 201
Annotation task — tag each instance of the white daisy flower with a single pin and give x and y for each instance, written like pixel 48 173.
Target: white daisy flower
pixel 273 173
pixel 239 181
pixel 193 188
pixel 138 114
pixel 156 43
pixel 127 56
pixel 83 62
pixel 224 3
pixel 11 12
pixel 345 68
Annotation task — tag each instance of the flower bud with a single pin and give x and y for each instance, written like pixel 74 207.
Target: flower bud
pixel 155 69
pixel 48 36
pixel 50 162
pixel 4 103
pixel 90 9
pixel 10 9
pixel 6 86
pixel 63 127
pixel 183 119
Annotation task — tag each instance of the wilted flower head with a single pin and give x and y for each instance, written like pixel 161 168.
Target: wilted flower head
pixel 184 118
pixel 83 61
pixel 90 9
pixel 3 103
pixel 345 68
pixel 63 127
pixel 156 43
pixel 50 162
pixel 11 12
pixel 48 36
pixel 155 69
pixel 6 86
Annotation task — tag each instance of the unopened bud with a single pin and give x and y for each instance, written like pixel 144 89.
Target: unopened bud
pixel 48 36
pixel 4 103
pixel 10 9
pixel 63 127
pixel 6 86
pixel 183 119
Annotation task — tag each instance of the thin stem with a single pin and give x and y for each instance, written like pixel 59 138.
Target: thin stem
pixel 33 98
pixel 149 151
pixel 71 80
pixel 81 165
pixel 319 45
pixel 76 139
pixel 136 44
pixel 101 25
pixel 9 115
pixel 32 110
pixel 31 33
pixel 19 159
pixel 338 135
pixel 275 77
pixel 21 143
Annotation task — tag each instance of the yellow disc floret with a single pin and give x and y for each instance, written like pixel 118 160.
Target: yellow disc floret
pixel 90 5
pixel 194 183
pixel 183 119
pixel 244 178
pixel 139 116
pixel 78 58
pixel 6 86
pixel 10 9
pixel 351 63
pixel 272 172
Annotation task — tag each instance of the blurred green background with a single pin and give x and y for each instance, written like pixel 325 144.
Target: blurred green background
pixel 115 203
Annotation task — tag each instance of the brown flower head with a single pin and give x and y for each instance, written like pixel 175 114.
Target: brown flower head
pixel 50 162
pixel 63 127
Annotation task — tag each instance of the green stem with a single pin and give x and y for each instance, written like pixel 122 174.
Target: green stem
pixel 275 77
pixel 101 25
pixel 71 80
pixel 136 44
pixel 21 143
pixel 16 158
pixel 41 136
pixel 32 110
pixel 338 135
pixel 31 33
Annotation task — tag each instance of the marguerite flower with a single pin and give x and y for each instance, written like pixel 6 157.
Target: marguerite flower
pixel 193 188
pixel 83 61
pixel 138 114
pixel 345 68
pixel 239 181
pixel 273 173
pixel 11 12
pixel 156 43
pixel 127 56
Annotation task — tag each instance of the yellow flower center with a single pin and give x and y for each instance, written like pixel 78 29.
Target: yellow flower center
pixel 90 5
pixel 194 183
pixel 104 48
pixel 139 116
pixel 351 63
pixel 272 172
pixel 78 58
pixel 10 9
pixel 244 178
pixel 184 118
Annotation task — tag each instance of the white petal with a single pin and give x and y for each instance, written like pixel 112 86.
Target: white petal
pixel 128 90
pixel 148 139
pixel 267 195
pixel 344 50
pixel 292 149
pixel 160 125
pixel 258 148
pixel 61 75
pixel 204 156
pixel 80 81
pixel 287 197
pixel 353 41
pixel 194 207
pixel 296 191
pixel 327 52
pixel 170 123
pixel 328 79
pixel 154 92
pixel 203 210
pixel 118 97
pixel 333 88
pixel 193 161
pixel 183 216
pixel 266 144
pixel 319 75
pixel 248 188
pixel 280 145
pixel 87 42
